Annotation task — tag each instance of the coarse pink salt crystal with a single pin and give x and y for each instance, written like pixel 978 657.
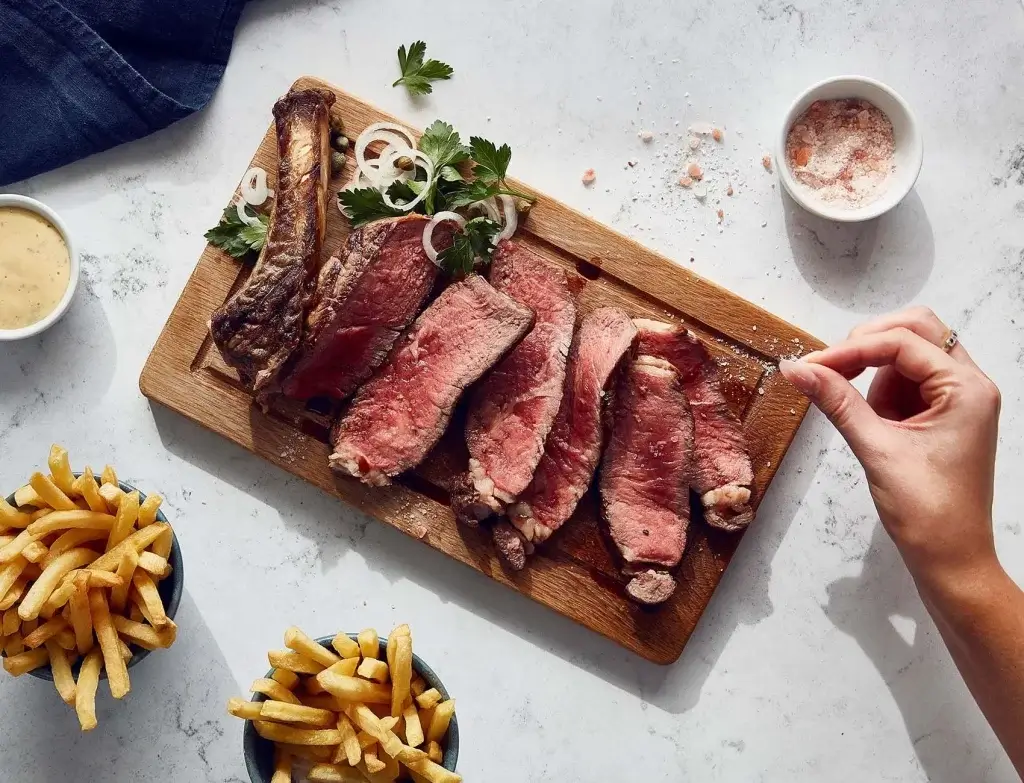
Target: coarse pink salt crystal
pixel 588 177
pixel 694 142
pixel 729 191
pixel 685 181
pixel 716 134
pixel 721 215
pixel 766 161
pixel 646 136
pixel 695 171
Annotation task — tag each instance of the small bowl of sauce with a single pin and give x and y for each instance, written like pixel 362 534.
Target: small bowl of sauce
pixel 38 267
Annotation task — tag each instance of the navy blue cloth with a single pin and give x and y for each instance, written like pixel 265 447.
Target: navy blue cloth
pixel 81 76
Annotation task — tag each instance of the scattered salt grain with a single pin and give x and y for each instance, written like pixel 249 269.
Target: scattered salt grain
pixel 685 181
pixel 646 136
pixel 695 171
pixel 700 192
pixel 721 215
pixel 716 134
pixel 729 191
pixel 766 161
pixel 588 177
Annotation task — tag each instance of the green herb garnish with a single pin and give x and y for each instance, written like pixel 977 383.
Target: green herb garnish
pixel 416 74
pixel 236 238
pixel 364 205
pixel 476 241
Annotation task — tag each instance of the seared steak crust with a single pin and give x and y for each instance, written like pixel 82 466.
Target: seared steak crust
pixel 261 325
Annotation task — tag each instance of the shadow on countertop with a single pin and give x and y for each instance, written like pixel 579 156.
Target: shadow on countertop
pixel 941 718
pixel 741 598
pixel 872 267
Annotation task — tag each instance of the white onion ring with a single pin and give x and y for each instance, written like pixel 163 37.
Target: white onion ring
pixel 511 218
pixel 380 131
pixel 254 188
pixel 489 207
pixel 428 231
pixel 427 165
pixel 245 217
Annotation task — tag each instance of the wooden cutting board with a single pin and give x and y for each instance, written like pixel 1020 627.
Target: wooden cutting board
pixel 573 573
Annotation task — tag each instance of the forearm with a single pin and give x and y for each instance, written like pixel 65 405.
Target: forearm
pixel 980 614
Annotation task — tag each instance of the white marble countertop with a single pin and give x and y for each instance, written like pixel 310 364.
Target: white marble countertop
pixel 815 660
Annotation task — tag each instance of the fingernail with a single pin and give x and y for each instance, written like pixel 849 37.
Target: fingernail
pixel 810 357
pixel 801 376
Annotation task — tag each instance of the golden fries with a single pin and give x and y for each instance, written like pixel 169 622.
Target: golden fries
pixel 336 711
pixel 78 578
pixel 282 767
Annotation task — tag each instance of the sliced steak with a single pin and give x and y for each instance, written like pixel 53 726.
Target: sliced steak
pixel 646 474
pixel 513 410
pixel 402 411
pixel 362 304
pixel 261 325
pixel 573 447
pixel 722 471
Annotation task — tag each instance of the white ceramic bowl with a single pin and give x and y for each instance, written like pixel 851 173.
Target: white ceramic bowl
pixel 11 200
pixel 907 136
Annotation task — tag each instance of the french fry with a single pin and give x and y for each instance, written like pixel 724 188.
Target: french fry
pixel 9 573
pixel 434 752
pixel 66 640
pixel 29 626
pixel 47 582
pixel 70 539
pixel 148 509
pixel 60 469
pixel 373 764
pixel 11 623
pixel 363 717
pixel 296 640
pixel 401 674
pixel 279 732
pixel 413 730
pixel 126 651
pixel 124 521
pixel 429 698
pixel 135 613
pixel 112 495
pixel 27 496
pixel 389 722
pixel 346 667
pixel 365 740
pixel 35 552
pixel 439 721
pixel 346 646
pixel 373 669
pixel 14 594
pixel 106 635
pixel 349 741
pixel 163 544
pixel 85 690
pixel 119 595
pixel 247 710
pixel 334 773
pixel 286 712
pixel 81 617
pixel 369 644
pixel 433 772
pixel 60 665
pixel 109 476
pixel 67 520
pixel 24 662
pixel 287 678
pixel 16 547
pixel 143 583
pixel 293 661
pixel 391 769
pixel 145 636
pixel 11 517
pixel 86 486
pixel 43 633
pixel 274 690
pixel 322 701
pixel 312 686
pixel 282 766
pixel 102 578
pixel 140 540
pixel 50 493
pixel 354 689
pixel 154 564
pixel 13 645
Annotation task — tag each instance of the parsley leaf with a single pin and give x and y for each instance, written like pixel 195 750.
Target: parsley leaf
pixel 491 161
pixel 416 74
pixel 476 241
pixel 236 238
pixel 441 143
pixel 364 205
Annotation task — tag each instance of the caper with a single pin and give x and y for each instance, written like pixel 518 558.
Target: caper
pixel 337 163
pixel 404 163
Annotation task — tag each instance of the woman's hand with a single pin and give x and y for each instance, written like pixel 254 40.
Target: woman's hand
pixel 926 436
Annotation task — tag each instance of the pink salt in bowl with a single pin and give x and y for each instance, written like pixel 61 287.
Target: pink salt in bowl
pixel 907 158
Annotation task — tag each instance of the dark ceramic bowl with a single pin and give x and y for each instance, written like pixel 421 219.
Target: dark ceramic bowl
pixel 259 753
pixel 169 588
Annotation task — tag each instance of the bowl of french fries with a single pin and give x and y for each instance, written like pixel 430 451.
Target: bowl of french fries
pixel 90 580
pixel 352 708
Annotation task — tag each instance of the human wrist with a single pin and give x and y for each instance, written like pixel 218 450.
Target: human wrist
pixel 957 581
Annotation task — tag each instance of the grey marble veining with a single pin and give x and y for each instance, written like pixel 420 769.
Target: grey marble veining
pixel 815 660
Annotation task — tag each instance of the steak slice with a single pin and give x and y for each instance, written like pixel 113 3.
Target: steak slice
pixel 646 474
pixel 361 306
pixel 573 447
pixel 722 471
pixel 513 410
pixel 258 328
pixel 402 411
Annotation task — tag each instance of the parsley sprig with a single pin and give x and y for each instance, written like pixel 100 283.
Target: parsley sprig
pixel 417 74
pixel 236 238
pixel 477 240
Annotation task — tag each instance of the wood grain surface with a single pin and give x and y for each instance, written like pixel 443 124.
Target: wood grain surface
pixel 574 574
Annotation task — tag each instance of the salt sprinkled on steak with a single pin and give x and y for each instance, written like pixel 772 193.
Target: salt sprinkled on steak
pixel 258 328
pixel 573 447
pixel 513 410
pixel 402 411
pixel 722 470
pixel 647 468
pixel 362 305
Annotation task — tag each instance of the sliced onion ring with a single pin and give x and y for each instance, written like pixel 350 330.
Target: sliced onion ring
pixel 428 231
pixel 511 217
pixel 427 165
pixel 254 188
pixel 489 207
pixel 245 217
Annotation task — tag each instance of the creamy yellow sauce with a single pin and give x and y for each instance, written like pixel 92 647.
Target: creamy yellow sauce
pixel 35 267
